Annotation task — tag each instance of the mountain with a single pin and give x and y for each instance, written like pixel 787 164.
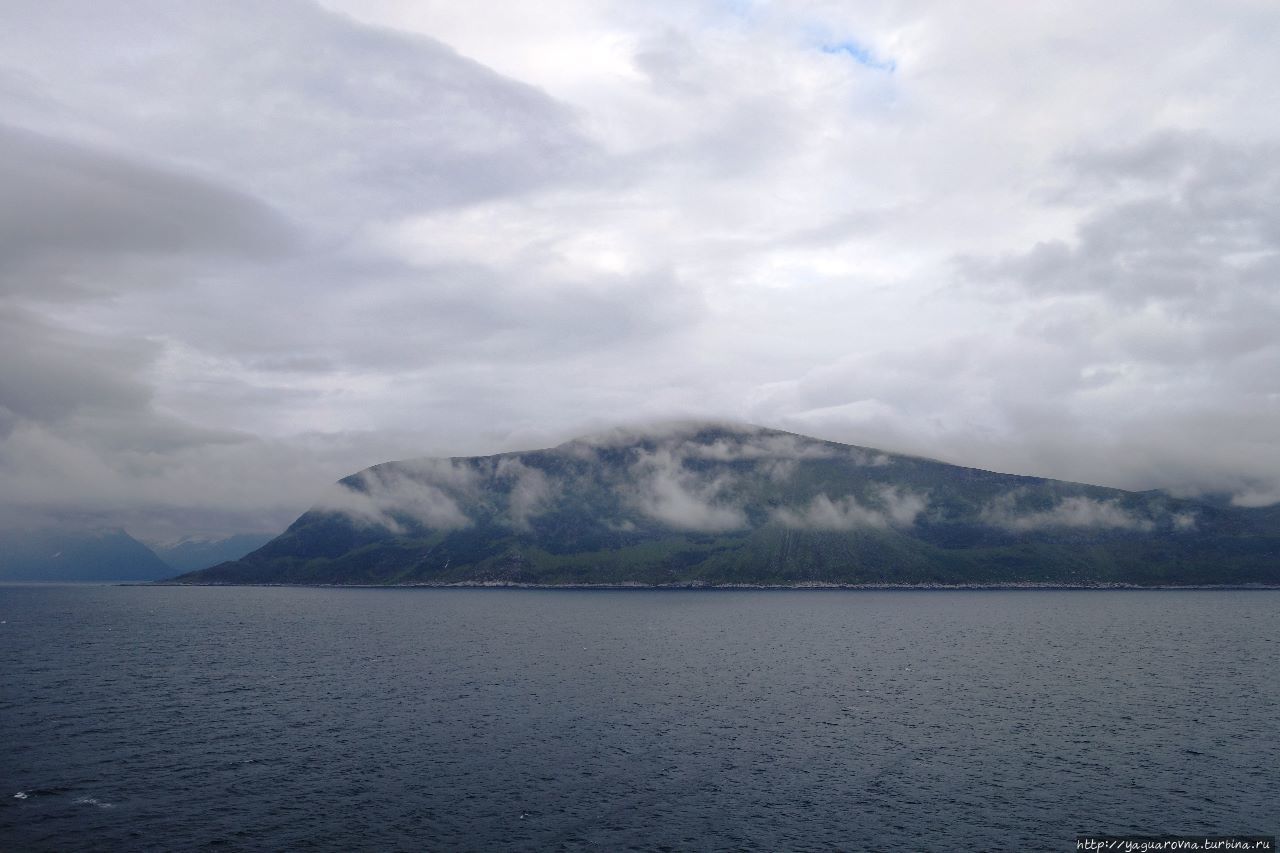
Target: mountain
pixel 192 553
pixel 77 555
pixel 725 504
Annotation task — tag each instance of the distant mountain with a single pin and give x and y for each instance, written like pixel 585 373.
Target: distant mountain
pixel 724 504
pixel 191 554
pixel 77 555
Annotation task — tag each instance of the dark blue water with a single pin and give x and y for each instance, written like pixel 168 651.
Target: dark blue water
pixel 180 718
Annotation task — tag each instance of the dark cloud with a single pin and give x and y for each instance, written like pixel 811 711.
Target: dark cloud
pixel 182 190
pixel 1183 219
pixel 48 373
pixel 306 108
pixel 65 201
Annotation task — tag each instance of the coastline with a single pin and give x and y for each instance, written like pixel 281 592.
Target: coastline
pixel 694 586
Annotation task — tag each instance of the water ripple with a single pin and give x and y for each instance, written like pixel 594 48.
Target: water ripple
pixel 245 719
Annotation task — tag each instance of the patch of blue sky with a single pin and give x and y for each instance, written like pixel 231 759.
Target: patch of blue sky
pixel 860 54
pixel 738 8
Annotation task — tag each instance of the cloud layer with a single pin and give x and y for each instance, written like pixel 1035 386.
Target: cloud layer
pixel 251 248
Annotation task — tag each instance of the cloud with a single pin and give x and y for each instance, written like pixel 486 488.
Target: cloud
pixel 778 447
pixel 48 372
pixel 1180 218
pixel 663 489
pixel 442 494
pixel 257 247
pixel 199 269
pixel 892 507
pixel 725 441
pixel 675 435
pixel 71 208
pixel 1072 512
pixel 530 491
pixel 425 492
pixel 362 118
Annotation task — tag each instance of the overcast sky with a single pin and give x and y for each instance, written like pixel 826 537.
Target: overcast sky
pixel 247 248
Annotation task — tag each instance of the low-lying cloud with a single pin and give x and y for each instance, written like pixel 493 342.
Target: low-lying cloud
pixel 530 491
pixel 780 447
pixel 666 491
pixel 723 441
pixel 386 497
pixel 437 494
pixel 892 507
pixel 1072 512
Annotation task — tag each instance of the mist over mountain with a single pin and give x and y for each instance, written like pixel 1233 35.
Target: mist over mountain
pixel 60 554
pixel 192 553
pixel 708 504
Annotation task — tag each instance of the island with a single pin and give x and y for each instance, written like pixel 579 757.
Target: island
pixel 715 504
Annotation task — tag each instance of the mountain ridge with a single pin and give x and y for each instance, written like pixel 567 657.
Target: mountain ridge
pixel 696 503
pixel 71 554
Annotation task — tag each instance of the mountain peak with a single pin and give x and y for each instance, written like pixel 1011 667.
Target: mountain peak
pixel 690 435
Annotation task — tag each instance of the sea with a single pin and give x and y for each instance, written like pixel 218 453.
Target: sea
pixel 191 718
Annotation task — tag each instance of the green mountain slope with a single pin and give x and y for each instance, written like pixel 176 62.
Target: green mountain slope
pixel 724 504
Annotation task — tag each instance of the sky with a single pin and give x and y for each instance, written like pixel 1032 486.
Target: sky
pixel 248 248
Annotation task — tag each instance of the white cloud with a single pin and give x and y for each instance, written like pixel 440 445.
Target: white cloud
pixel 383 496
pixel 531 491
pixel 893 507
pixel 663 489
pixel 1074 512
